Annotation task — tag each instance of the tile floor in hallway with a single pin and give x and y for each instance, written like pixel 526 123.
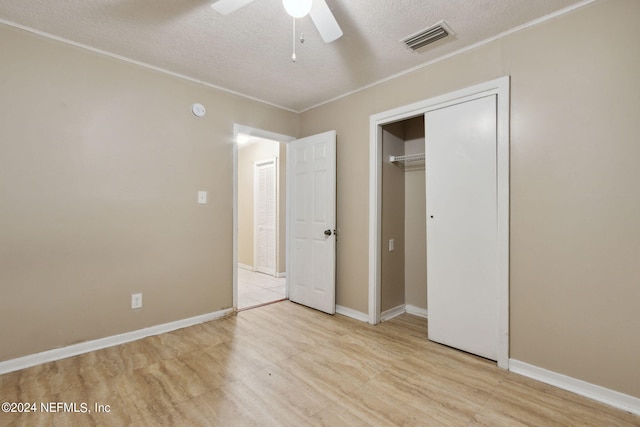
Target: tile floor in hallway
pixel 258 288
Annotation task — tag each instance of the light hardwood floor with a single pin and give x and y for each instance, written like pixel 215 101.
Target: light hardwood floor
pixel 284 364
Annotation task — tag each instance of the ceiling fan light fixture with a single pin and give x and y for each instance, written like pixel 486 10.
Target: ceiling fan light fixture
pixel 297 8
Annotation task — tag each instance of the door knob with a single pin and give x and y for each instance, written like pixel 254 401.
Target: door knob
pixel 327 232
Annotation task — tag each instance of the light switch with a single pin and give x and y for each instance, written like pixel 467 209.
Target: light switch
pixel 202 197
pixel 391 245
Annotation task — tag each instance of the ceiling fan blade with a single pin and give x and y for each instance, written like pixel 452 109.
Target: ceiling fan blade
pixel 325 21
pixel 225 7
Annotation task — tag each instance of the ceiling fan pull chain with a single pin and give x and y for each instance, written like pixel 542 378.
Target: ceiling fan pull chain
pixel 293 57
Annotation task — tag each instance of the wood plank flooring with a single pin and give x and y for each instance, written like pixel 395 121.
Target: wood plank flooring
pixel 287 365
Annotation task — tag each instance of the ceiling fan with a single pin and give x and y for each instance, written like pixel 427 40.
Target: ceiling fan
pixel 319 11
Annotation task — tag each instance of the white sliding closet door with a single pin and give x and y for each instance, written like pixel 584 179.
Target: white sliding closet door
pixel 265 217
pixel 461 182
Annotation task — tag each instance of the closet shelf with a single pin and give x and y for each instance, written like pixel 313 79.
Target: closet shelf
pixel 409 162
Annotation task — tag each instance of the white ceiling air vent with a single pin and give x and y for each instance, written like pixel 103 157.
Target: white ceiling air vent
pixel 428 36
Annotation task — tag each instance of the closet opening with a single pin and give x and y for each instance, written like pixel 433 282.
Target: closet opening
pixel 403 278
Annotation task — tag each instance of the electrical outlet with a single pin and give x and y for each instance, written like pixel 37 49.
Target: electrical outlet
pixel 136 301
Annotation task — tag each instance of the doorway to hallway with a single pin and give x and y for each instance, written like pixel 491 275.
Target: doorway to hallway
pixel 305 228
pixel 260 265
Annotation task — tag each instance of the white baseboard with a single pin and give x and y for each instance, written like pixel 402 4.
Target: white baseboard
pixel 416 311
pixel 592 391
pixel 246 267
pixel 88 346
pixel 391 313
pixel 346 311
pixel 281 275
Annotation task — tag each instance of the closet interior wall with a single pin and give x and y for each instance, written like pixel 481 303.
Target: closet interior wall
pixel 403 269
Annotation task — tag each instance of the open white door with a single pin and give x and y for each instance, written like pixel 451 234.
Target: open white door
pixel 311 241
pixel 462 226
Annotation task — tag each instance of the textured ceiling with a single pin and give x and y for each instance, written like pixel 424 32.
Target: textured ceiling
pixel 249 51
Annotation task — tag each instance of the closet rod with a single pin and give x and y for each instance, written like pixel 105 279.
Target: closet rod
pixel 407 158
pixel 409 162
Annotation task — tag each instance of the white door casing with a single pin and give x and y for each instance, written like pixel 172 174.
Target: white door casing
pixel 311 223
pixel 461 190
pixel 265 216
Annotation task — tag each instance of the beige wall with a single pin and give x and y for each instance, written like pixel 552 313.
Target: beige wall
pixel 100 163
pixel 575 198
pixel 248 154
pixel 392 262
